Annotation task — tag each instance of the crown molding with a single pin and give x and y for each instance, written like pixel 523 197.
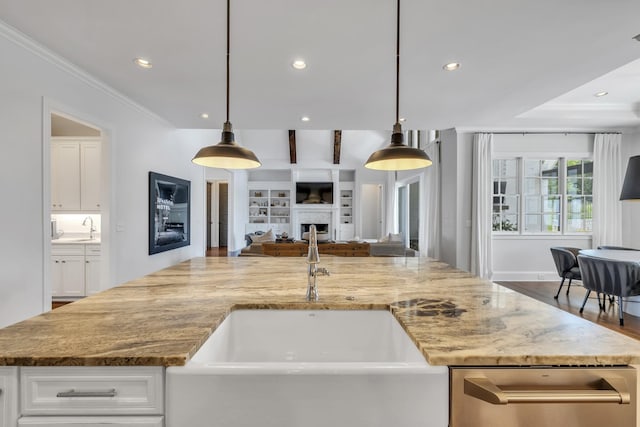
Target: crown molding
pixel 24 41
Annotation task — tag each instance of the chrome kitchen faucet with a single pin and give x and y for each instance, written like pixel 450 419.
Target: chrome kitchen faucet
pixel 313 259
pixel 91 227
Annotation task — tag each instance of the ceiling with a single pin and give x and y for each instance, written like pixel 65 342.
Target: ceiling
pixel 525 64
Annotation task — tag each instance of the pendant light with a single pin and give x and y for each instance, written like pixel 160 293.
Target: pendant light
pixel 631 185
pixel 227 154
pixel 397 155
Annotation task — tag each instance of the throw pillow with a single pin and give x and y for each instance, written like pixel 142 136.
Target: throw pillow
pixel 266 237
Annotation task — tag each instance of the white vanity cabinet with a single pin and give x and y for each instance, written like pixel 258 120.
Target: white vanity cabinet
pixel 75 270
pixel 67 271
pixel 124 396
pixel 92 269
pixel 8 396
pixel 75 175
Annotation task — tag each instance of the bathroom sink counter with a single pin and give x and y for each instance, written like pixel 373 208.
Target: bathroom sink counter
pixel 453 317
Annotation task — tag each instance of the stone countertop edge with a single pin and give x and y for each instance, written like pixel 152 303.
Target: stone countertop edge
pixel 454 318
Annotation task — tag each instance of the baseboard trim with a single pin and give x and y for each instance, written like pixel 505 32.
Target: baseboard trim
pixel 524 276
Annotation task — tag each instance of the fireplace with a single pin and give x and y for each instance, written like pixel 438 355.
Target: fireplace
pixel 321 218
pixel 320 228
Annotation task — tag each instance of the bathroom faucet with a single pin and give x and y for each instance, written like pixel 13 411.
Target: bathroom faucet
pixel 313 259
pixel 91 227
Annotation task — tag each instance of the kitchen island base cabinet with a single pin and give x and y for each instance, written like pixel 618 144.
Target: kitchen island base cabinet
pixel 8 396
pixel 542 397
pixel 91 421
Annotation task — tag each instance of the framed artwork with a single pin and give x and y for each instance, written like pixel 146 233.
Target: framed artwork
pixel 169 213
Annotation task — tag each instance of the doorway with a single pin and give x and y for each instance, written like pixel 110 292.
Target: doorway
pixel 78 170
pixel 408 197
pixel 371 217
pixel 217 218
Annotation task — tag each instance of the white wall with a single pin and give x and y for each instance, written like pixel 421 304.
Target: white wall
pixel 630 209
pixel 30 80
pixel 455 184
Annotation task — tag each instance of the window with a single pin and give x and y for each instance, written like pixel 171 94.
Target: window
pixel 542 196
pixel 506 195
pixel 556 193
pixel 579 196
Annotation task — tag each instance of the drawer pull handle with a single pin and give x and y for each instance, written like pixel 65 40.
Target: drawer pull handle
pixel 612 390
pixel 73 393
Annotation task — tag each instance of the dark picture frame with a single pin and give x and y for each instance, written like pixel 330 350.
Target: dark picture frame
pixel 169 213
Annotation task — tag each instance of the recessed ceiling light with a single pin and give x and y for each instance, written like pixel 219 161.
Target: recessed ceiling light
pixel 305 118
pixel 143 63
pixel 599 94
pixel 402 119
pixel 204 115
pixel 299 64
pixel 451 66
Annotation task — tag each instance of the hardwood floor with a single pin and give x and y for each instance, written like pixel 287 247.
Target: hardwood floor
pixel 544 291
pixel 221 251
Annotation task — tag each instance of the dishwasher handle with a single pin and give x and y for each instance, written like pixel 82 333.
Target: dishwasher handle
pixel 612 390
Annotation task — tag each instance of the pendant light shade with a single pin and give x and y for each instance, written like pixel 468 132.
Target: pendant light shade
pixel 227 154
pixel 631 185
pixel 397 155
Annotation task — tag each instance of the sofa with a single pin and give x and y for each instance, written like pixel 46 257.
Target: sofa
pixel 390 245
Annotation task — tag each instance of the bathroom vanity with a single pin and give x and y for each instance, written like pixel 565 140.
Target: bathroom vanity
pixel 106 359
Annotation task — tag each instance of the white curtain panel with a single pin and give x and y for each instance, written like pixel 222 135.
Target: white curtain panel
pixel 432 202
pixel 607 184
pixel 481 247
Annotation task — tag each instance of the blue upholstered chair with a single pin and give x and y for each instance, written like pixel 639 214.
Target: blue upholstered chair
pixel 566 264
pixel 617 278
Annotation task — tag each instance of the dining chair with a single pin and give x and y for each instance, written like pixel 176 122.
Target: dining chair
pixel 611 277
pixel 566 264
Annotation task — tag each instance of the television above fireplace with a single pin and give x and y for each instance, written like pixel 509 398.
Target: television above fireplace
pixel 314 193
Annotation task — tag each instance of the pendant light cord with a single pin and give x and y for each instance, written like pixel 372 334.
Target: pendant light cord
pixel 228 37
pixel 398 65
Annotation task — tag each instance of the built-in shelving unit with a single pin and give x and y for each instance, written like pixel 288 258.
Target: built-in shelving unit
pixel 268 206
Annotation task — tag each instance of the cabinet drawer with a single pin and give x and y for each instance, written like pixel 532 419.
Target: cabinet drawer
pixel 134 421
pixel 67 249
pixel 92 249
pixel 91 391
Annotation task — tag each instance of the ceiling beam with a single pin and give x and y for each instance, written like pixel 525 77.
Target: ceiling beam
pixel 337 142
pixel 292 146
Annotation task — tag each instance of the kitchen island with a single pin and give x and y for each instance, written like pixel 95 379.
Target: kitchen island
pixel 454 318
pixel 111 359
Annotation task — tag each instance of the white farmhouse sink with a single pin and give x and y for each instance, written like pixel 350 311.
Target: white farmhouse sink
pixel 308 368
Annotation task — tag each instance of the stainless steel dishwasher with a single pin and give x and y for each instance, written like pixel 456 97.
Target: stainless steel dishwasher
pixel 543 397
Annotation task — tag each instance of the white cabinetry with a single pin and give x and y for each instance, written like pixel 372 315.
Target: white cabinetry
pixel 269 207
pixel 346 228
pixel 90 160
pixel 8 396
pixel 75 175
pixel 67 272
pixel 65 176
pixel 75 270
pixel 88 396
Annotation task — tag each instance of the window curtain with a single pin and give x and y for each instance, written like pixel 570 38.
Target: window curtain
pixel 607 183
pixel 481 247
pixel 432 202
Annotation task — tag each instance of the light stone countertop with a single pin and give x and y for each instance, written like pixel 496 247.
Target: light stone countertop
pixel 452 316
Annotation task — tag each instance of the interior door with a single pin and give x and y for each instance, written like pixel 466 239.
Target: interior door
pixel 209 219
pixel 223 213
pixel 371 211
